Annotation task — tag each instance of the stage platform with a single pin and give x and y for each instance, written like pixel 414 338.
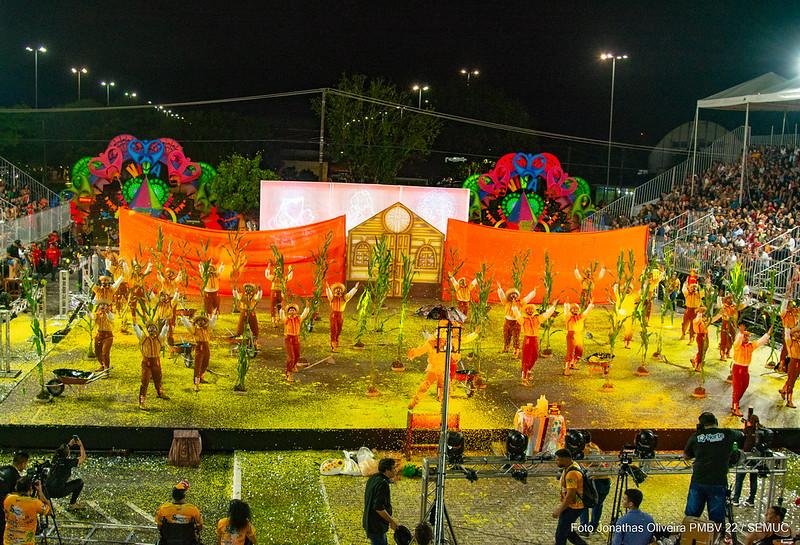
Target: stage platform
pixel 331 397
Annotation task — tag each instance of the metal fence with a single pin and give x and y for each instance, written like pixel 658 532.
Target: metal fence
pixel 35 227
pixel 16 179
pixel 726 149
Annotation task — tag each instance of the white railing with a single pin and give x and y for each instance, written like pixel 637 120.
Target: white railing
pixel 35 227
pixel 791 140
pixel 727 148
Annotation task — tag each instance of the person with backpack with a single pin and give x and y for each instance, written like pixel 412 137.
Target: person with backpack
pixel 577 493
pixel 9 476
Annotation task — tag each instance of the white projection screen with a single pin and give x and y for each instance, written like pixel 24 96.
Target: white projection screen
pixel 290 204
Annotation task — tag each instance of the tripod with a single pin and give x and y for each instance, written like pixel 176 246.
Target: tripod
pixel 729 517
pixel 620 486
pixel 431 516
pixel 43 519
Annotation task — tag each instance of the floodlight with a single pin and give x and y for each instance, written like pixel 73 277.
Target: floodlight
pixel 455 447
pixel 646 443
pixel 516 445
pixel 575 442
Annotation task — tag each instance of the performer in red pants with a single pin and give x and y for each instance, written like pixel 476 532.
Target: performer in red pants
pixel 789 316
pixel 701 324
pixel 291 336
pixel 104 320
pixel 201 327
pixel 338 299
pixel 513 308
pixel 576 326
pixel 211 272
pixel 530 322
pixel 792 339
pixel 247 310
pixel 727 330
pixel 742 356
pixel 693 295
pixel 463 292
pixel 151 345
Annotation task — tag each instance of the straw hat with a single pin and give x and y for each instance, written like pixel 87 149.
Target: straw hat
pixel 574 308
pixel 199 317
pixel 337 285
pixel 105 279
pixel 532 308
pixel 512 291
pixel 291 306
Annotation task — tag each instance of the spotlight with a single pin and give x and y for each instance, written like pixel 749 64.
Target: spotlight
pixel 575 441
pixel 471 474
pixel 520 475
pixel 516 445
pixel 455 447
pixel 764 439
pixel 646 443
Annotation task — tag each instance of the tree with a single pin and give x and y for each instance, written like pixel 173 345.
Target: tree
pixel 374 140
pixel 238 182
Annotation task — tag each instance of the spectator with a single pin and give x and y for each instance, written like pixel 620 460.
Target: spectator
pixel 711 448
pixel 571 506
pixel 774 529
pixel 377 518
pixel 21 510
pixel 35 256
pixel 14 249
pixel 236 528
pixel 178 511
pixel 9 476
pixel 58 483
pixel 634 527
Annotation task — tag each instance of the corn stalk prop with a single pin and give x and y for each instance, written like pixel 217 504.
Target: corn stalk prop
pixel 379 270
pixel 547 325
pixel 243 361
pixel 406 280
pixel 33 289
pixel 771 314
pixel 454 265
pixel 161 255
pixel 321 265
pixel 205 263
pixel 667 304
pixel 518 265
pixel 640 315
pixel 624 282
pixel 87 318
pixel 479 309
pixel 236 249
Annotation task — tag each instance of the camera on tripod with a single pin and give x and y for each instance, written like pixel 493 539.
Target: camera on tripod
pixel 40 471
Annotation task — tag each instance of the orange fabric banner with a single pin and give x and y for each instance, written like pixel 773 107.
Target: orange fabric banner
pixel 138 234
pixel 477 244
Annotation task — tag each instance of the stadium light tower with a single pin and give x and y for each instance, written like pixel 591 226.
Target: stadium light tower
pixel 36 51
pixel 78 72
pixel 468 73
pixel 613 58
pixel 420 89
pixel 108 86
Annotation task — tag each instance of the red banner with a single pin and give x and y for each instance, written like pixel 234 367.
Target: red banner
pixel 139 233
pixel 478 244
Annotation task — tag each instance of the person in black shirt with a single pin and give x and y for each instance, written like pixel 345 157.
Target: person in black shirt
pixel 377 517
pixel 9 476
pixel 58 483
pixel 711 448
pixel 774 530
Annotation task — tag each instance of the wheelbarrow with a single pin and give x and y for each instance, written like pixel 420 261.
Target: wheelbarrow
pixel 72 377
pixel 468 377
pixel 185 349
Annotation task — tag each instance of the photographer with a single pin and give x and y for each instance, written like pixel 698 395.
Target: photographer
pixel 21 510
pixel 58 484
pixel 711 448
pixel 9 476
pixel 751 426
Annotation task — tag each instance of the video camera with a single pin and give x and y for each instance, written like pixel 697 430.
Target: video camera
pixel 40 470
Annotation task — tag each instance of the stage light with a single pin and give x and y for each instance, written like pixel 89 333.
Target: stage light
pixel 455 447
pixel 575 442
pixel 646 443
pixel 763 444
pixel 516 445
pixel 520 475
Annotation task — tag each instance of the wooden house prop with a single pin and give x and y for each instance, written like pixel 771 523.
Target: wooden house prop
pixel 406 233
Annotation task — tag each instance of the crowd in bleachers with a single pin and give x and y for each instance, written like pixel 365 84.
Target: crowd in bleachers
pixel 759 225
pixel 17 201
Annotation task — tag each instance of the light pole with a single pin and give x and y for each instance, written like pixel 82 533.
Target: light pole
pixel 469 73
pixel 108 86
pixel 614 58
pixel 78 72
pixel 420 89
pixel 130 94
pixel 36 51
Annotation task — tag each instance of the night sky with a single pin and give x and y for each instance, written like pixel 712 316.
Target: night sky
pixel 543 53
